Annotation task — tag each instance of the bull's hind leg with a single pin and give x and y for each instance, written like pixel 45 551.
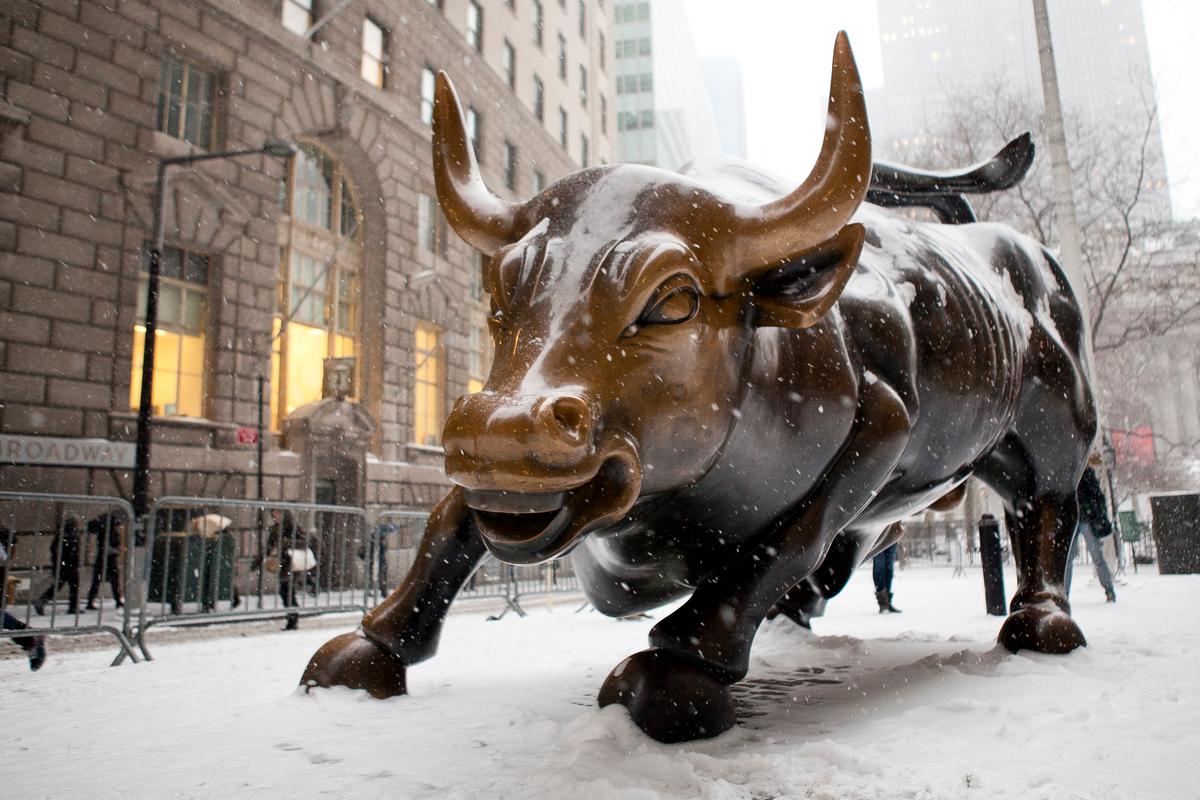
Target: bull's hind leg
pixel 1041 512
pixel 404 629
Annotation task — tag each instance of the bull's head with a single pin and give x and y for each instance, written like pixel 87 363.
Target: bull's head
pixel 623 300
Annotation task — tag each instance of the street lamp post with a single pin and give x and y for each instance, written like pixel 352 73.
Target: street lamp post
pixel 141 464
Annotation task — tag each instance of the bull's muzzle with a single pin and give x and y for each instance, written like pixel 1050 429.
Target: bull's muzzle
pixel 536 475
pixel 522 444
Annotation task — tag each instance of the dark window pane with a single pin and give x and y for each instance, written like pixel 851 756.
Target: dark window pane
pixel 197 269
pixel 171 266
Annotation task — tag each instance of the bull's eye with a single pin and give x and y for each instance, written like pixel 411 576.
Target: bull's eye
pixel 675 301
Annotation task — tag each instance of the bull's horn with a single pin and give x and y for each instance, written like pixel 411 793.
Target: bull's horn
pixel 833 191
pixel 483 219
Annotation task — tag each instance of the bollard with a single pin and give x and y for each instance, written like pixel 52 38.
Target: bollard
pixel 993 570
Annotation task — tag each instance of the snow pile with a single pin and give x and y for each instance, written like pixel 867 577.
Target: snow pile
pixel 917 705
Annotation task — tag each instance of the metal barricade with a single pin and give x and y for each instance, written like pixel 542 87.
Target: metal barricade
pixel 399 534
pixel 520 582
pixel 211 560
pixel 50 541
pixel 393 542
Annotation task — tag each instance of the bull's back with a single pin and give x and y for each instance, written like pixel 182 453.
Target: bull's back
pixel 969 301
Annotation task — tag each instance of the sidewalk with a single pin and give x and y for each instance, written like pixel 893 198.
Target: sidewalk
pixel 160 634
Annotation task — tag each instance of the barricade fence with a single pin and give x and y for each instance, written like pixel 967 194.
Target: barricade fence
pixel 493 578
pixel 65 567
pixel 207 560
pixel 210 560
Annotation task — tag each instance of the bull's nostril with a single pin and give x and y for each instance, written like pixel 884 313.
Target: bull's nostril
pixel 571 415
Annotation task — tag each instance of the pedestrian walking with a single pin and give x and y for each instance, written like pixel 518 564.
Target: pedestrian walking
pixel 378 547
pixel 296 559
pixel 109 530
pixel 883 569
pixel 34 646
pixel 1094 524
pixel 66 550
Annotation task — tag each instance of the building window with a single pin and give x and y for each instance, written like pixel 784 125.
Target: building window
pixel 374 48
pixel 562 57
pixel 603 50
pixel 428 381
pixel 583 150
pixel 583 86
pixel 539 99
pixel 539 181
pixel 179 342
pixel 431 225
pixel 647 120
pixel 474 133
pixel 644 46
pixel 643 11
pixel 428 85
pixel 319 294
pixel 478 264
pixel 603 114
pixel 539 22
pixel 646 81
pixel 298 15
pixel 509 63
pixel 478 357
pixel 475 25
pixel 582 19
pixel 438 4
pixel 510 165
pixel 185 102
pixel 562 127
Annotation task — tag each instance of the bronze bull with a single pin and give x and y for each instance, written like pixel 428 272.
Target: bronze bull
pixel 706 386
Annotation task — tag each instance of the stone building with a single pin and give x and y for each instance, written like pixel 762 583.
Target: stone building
pixel 272 266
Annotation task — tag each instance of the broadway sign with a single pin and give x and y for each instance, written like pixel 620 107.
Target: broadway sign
pixel 65 452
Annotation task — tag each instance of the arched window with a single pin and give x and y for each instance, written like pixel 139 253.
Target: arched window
pixel 320 263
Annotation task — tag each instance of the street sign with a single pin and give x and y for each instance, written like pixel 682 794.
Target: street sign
pixel 65 452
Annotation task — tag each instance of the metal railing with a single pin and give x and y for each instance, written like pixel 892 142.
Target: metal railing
pixel 211 560
pixel 208 560
pixel 49 541
pixel 492 579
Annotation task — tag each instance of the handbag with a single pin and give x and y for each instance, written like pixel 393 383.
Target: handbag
pixel 302 560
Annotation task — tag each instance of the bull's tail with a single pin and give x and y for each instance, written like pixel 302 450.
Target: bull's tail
pixel 943 191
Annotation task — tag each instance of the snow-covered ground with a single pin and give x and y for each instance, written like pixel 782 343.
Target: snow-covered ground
pixel 916 705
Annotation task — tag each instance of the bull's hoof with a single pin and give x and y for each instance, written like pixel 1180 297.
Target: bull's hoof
pixel 1044 628
pixel 354 661
pixel 668 697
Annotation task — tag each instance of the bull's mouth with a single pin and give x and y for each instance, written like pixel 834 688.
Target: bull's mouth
pixel 532 527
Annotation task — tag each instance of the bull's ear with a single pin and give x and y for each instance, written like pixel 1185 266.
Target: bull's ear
pixel 798 293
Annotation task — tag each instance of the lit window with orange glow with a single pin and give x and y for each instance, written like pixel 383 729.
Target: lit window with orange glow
pixel 428 385
pixel 320 263
pixel 179 341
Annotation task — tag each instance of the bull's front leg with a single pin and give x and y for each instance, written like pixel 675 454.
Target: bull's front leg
pixel 404 629
pixel 677 690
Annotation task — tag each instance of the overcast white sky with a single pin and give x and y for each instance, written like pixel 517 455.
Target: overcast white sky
pixel 785 45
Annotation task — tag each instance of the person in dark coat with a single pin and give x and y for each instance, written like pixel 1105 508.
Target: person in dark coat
pixel 66 551
pixel 883 569
pixel 108 529
pixel 34 646
pixel 1094 524
pixel 286 537
pixel 377 548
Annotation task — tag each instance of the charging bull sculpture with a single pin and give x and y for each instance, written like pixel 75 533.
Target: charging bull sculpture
pixel 708 386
